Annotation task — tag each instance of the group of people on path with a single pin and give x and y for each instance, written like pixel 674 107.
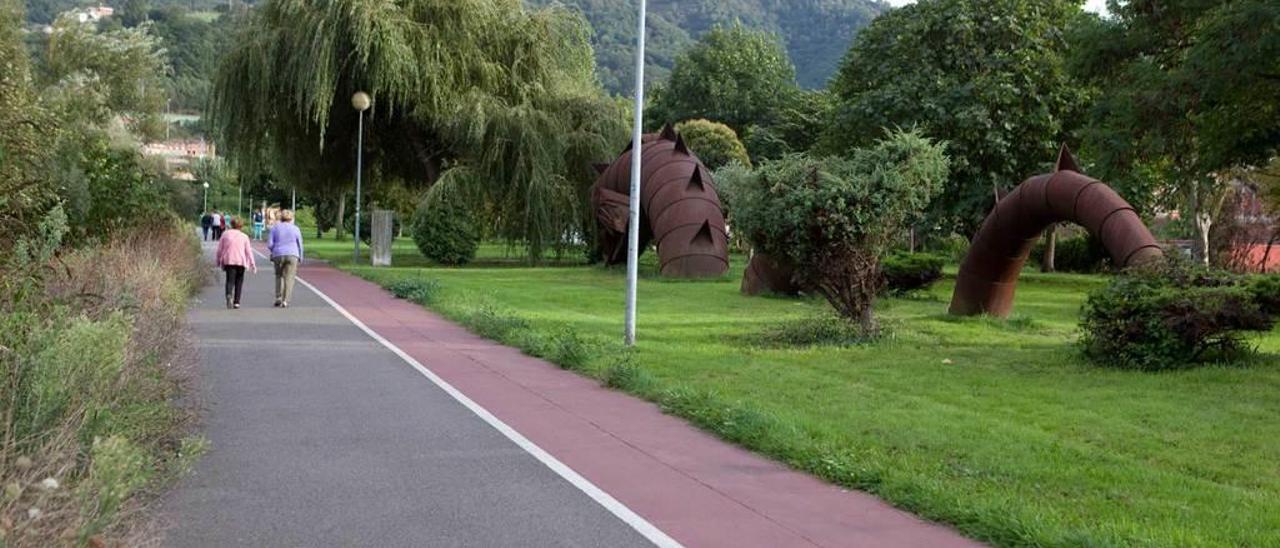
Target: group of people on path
pixel 235 255
pixel 217 222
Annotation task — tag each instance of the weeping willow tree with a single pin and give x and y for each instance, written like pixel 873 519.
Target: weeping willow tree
pixel 478 98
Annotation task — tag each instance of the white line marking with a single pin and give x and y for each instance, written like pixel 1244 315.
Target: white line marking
pixel 641 525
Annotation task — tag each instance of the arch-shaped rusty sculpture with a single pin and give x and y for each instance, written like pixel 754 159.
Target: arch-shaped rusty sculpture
pixel 989 274
pixel 679 209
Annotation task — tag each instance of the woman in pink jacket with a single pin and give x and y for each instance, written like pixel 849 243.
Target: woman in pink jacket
pixel 234 255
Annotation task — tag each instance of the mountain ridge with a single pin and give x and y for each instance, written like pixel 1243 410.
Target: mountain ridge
pixel 816 33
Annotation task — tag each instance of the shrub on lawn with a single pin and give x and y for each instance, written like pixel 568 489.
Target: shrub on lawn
pixel 1266 292
pixel 907 272
pixel 491 323
pixel 623 374
pixel 834 217
pixel 822 330
pixel 444 231
pixel 419 290
pixel 1083 254
pixel 1171 314
pixel 570 351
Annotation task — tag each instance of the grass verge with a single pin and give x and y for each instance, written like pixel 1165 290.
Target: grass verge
pixel 93 359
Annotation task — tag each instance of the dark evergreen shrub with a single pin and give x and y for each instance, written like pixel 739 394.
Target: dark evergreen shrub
pixel 906 272
pixel 1172 314
pixel 445 232
pixel 1082 254
pixel 1266 292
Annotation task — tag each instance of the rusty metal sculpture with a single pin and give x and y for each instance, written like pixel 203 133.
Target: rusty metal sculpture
pixel 989 274
pixel 679 209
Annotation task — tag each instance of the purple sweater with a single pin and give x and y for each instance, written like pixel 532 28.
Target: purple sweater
pixel 285 240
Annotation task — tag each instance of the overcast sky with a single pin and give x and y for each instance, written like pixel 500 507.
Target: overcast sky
pixel 1098 6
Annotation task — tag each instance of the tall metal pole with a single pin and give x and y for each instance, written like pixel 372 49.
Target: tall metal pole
pixel 294 205
pixel 355 254
pixel 633 225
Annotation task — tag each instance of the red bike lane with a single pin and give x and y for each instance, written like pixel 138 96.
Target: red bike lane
pixel 695 488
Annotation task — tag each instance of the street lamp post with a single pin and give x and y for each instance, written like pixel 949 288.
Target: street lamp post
pixel 633 225
pixel 361 103
pixel 206 196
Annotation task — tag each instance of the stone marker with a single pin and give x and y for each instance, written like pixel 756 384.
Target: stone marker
pixel 381 237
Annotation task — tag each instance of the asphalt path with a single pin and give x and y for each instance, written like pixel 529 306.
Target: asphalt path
pixel 321 436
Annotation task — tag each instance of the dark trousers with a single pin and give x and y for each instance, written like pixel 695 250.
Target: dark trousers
pixel 217 233
pixel 235 281
pixel 206 232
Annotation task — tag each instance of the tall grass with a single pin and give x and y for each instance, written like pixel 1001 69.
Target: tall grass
pixel 93 357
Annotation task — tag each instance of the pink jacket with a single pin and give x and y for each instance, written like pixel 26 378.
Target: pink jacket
pixel 234 249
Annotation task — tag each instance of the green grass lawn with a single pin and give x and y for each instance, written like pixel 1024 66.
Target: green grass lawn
pixel 996 427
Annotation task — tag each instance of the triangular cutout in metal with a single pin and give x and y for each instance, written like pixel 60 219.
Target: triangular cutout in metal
pixel 695 181
pixel 703 237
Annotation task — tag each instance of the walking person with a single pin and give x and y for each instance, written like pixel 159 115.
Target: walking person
pixel 215 221
pixel 285 245
pixel 259 222
pixel 206 222
pixel 234 255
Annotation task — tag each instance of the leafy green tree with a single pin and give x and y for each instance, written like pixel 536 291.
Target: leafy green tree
pixel 715 144
pixel 797 126
pixel 834 218
pixel 499 103
pixel 193 45
pixel 1188 90
pixel 987 77
pixel 25 134
pixel 733 75
pixel 94 77
pixel 134 12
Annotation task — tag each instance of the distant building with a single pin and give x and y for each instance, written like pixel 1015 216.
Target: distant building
pixel 93 14
pixel 179 154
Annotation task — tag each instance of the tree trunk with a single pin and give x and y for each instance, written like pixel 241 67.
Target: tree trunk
pixel 342 206
pixel 1204 222
pixel 1050 248
pixel 867 320
pixel 1266 255
pixel 1196 207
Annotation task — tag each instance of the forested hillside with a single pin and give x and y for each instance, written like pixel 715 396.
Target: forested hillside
pixel 816 32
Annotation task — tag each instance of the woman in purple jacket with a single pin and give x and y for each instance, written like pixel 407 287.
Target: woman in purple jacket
pixel 285 245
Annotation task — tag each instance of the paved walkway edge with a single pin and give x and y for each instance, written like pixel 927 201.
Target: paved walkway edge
pixel 611 504
pixel 672 482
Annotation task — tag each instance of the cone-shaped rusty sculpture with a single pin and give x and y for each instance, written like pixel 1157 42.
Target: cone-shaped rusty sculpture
pixel 679 209
pixel 989 274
